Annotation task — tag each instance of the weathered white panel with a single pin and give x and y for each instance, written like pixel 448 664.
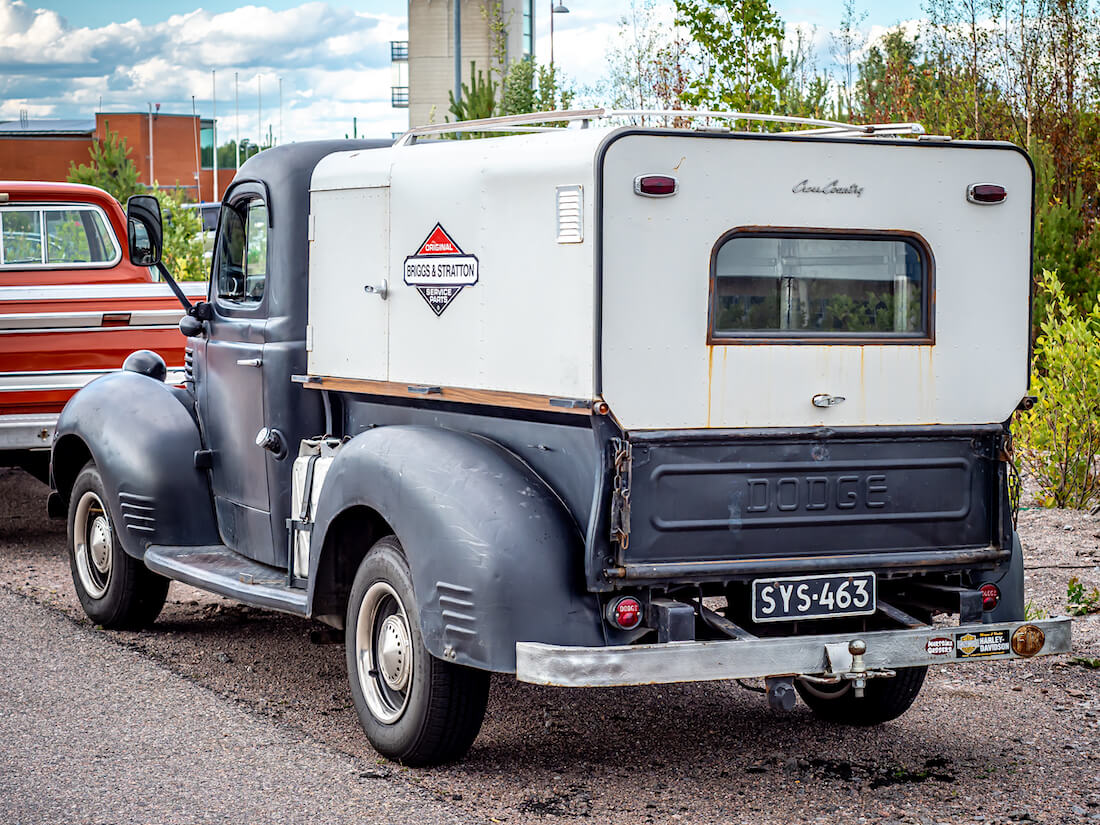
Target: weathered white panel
pixel 350 250
pixel 526 325
pixel 659 372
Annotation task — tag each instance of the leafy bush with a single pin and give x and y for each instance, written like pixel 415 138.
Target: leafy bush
pixel 1078 601
pixel 183 250
pixel 1060 436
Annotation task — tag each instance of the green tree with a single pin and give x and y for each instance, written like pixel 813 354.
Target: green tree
pixel 530 87
pixel 479 100
pixel 743 63
pixel 111 168
pixel 183 236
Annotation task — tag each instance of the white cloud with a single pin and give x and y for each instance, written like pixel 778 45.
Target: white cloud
pixel 334 63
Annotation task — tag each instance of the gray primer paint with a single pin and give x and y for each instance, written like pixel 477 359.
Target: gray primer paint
pixel 495 556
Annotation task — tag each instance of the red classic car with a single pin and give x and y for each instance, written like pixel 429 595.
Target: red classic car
pixel 72 307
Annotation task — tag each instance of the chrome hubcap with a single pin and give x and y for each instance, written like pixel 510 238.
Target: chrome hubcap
pixel 393 653
pixel 93 545
pixel 383 653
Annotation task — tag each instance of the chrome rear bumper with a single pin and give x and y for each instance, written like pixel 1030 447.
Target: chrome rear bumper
pixel 567 666
pixel 27 432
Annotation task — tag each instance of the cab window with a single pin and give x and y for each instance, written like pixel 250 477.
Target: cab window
pixel 817 286
pixel 242 253
pixel 55 236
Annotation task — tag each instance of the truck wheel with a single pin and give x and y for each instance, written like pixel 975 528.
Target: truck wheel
pixel 115 590
pixel 415 709
pixel 883 699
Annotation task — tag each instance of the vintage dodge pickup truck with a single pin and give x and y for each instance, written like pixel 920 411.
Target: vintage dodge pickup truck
pixel 72 307
pixel 603 405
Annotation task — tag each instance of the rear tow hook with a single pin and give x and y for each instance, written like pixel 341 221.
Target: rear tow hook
pixel 848 665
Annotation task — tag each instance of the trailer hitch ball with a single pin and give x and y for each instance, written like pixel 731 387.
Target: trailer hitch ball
pixel 858 673
pixel 781 694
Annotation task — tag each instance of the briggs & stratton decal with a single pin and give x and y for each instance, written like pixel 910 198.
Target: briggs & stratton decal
pixel 940 646
pixel 440 269
pixel 982 643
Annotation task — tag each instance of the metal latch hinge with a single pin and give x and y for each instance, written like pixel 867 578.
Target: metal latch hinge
pixel 622 463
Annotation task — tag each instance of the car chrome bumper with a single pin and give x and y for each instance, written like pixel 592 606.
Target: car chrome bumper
pixel 27 432
pixel 567 666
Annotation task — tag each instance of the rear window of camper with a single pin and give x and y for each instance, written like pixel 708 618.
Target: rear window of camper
pixel 814 286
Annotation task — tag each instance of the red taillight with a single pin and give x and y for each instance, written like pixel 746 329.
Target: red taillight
pixel 985 193
pixel 990 596
pixel 625 612
pixel 655 186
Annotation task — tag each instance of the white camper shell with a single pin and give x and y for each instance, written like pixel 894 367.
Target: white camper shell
pixel 579 288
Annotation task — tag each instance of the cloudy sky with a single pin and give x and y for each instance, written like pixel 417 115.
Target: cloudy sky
pixel 62 58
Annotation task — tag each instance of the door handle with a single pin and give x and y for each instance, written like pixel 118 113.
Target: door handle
pixel 382 290
pixel 250 362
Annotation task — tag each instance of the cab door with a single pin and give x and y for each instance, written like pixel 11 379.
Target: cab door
pixel 233 392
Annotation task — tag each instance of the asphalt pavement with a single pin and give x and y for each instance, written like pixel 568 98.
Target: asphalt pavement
pixel 94 732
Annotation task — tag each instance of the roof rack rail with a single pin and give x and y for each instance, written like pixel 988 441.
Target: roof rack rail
pixel 533 121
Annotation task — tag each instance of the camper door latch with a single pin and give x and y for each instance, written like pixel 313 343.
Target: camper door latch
pixel 823 399
pixel 382 290
pixel 622 460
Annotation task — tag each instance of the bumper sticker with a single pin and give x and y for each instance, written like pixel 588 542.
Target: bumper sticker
pixel 940 646
pixel 982 643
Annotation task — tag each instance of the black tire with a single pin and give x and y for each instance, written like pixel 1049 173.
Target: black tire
pixel 116 590
pixel 416 709
pixel 883 700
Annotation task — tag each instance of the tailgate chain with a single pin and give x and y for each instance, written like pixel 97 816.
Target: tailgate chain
pixel 622 461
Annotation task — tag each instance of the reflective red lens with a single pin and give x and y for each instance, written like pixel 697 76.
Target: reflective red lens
pixel 626 613
pixel 990 596
pixel 985 193
pixel 656 186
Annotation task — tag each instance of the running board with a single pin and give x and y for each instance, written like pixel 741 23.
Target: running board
pixel 218 569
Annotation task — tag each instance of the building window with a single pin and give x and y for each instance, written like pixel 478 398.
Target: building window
pixel 206 144
pixel 528 28
pixel 798 285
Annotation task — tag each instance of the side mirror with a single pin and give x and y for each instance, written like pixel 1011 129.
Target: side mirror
pixel 144 230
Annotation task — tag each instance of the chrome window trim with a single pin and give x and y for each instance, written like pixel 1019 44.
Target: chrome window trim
pixel 57 206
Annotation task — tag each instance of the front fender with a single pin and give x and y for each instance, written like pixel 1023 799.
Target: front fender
pixel 143 441
pixel 495 556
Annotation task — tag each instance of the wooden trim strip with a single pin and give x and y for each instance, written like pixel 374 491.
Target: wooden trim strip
pixel 491 398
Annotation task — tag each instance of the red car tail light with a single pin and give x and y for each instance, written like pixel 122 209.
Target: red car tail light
pixel 990 596
pixel 625 612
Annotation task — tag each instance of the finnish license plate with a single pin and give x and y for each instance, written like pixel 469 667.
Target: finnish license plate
pixel 813 597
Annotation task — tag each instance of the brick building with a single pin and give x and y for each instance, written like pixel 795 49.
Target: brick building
pixel 175 151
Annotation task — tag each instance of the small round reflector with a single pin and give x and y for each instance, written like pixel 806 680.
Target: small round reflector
pixel 655 186
pixel 1027 640
pixel 625 612
pixel 990 596
pixel 985 193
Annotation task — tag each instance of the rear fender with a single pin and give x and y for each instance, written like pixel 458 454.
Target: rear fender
pixel 495 556
pixel 143 440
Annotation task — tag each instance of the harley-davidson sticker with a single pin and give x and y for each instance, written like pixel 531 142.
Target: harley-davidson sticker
pixel 982 643
pixel 940 646
pixel 440 270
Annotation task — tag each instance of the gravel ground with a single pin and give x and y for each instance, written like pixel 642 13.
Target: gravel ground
pixel 1005 742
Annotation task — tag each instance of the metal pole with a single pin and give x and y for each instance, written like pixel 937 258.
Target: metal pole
pixel 458 51
pixel 259 110
pixel 198 163
pixel 237 116
pixel 151 177
pixel 551 36
pixel 280 111
pixel 214 104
